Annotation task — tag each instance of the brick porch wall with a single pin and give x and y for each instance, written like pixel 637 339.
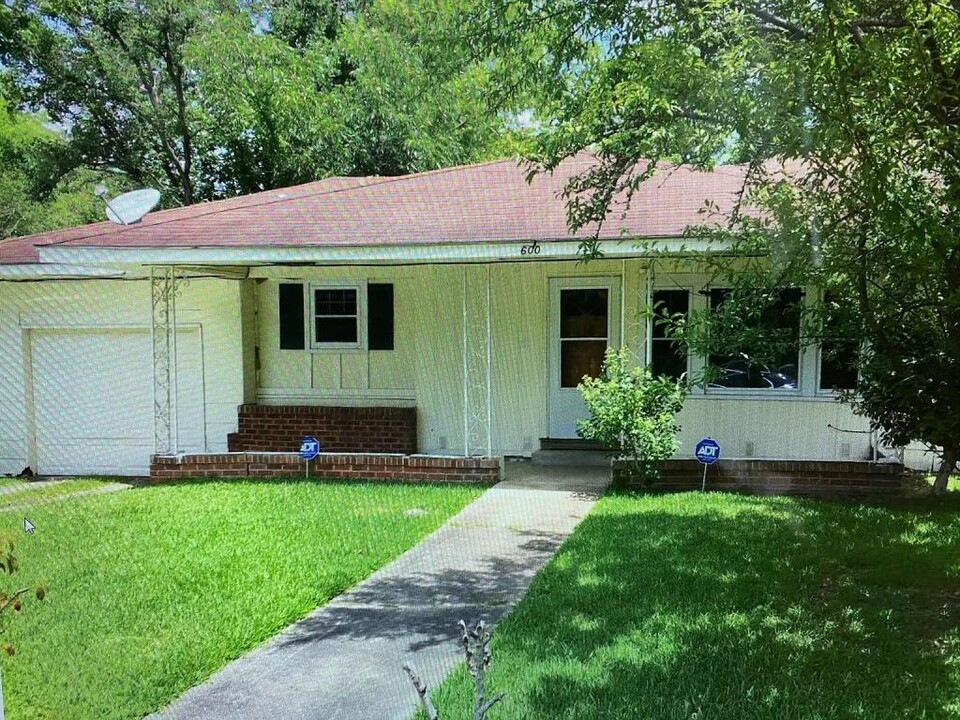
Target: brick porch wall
pixel 279 428
pixel 775 477
pixel 330 466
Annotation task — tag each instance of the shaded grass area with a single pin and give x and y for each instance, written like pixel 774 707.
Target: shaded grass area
pixel 17 492
pixel 152 589
pixel 727 606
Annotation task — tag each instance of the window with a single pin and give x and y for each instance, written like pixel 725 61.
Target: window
pixel 839 355
pixel 778 324
pixel 336 316
pixel 668 357
pixel 583 333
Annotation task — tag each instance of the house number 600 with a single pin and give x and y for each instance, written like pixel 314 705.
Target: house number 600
pixel 532 249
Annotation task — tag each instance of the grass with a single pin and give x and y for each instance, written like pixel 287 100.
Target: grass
pixel 723 606
pixel 152 589
pixel 953 483
pixel 17 492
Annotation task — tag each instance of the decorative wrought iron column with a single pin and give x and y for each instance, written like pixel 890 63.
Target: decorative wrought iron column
pixel 163 334
pixel 477 362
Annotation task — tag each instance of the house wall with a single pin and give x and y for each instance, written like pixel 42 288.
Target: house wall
pixel 426 367
pixel 335 376
pixel 207 310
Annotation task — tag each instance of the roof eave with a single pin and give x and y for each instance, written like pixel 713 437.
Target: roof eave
pixel 409 253
pixel 55 271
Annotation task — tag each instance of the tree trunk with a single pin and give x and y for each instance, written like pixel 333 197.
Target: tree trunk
pixel 943 474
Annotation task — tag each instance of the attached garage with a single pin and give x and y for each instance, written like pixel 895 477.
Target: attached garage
pixel 91 395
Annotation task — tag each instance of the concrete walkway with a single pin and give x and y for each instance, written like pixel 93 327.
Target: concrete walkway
pixel 345 660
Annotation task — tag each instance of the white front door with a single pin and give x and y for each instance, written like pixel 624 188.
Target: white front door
pixel 584 322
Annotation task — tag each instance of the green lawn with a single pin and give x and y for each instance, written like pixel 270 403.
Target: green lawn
pixel 727 607
pixel 152 589
pixel 17 492
pixel 953 484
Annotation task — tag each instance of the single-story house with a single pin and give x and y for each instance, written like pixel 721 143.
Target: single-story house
pixel 442 313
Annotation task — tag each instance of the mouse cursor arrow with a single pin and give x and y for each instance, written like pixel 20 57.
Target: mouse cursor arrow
pixel 28 527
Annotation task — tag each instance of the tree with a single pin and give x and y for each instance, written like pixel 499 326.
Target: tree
pixel 389 89
pixel 846 114
pixel 114 73
pixel 11 599
pixel 221 97
pixel 40 184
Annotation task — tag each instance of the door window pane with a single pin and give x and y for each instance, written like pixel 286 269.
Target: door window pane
pixel 579 358
pixel 583 313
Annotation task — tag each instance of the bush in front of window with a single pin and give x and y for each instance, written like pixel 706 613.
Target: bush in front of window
pixel 633 413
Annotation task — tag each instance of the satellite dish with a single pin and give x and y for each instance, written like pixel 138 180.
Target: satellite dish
pixel 130 207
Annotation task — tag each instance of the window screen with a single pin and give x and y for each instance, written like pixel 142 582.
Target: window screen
pixel 839 355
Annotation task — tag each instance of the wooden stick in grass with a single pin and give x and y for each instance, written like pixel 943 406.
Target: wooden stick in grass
pixel 421 688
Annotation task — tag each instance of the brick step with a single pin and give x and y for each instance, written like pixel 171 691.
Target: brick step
pixel 280 428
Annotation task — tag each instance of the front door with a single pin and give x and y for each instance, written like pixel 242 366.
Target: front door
pixel 584 322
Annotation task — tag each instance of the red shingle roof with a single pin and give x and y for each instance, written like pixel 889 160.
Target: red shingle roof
pixel 18 251
pixel 485 202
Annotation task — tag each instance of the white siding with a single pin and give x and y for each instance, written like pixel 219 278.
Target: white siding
pixel 426 368
pixel 207 309
pixel 334 376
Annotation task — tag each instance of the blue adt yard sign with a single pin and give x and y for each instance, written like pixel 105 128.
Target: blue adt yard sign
pixel 309 448
pixel 708 451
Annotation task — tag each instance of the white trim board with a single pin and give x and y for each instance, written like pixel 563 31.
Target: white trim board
pixel 482 251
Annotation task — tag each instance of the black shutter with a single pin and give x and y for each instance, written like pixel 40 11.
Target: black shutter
pixel 292 323
pixel 380 316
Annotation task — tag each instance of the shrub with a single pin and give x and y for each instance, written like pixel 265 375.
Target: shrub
pixel 633 413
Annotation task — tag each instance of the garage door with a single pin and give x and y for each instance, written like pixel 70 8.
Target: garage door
pixel 93 400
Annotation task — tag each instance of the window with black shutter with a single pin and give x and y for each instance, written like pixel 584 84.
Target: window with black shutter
pixel 336 316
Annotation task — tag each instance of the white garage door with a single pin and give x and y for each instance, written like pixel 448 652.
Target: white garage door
pixel 93 400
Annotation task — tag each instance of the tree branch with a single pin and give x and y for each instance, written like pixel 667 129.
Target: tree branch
pixel 794 30
pixel 421 688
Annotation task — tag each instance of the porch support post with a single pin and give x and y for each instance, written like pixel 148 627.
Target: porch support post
pixel 163 335
pixel 623 304
pixel 477 361
pixel 648 325
pixel 489 373
pixel 466 368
